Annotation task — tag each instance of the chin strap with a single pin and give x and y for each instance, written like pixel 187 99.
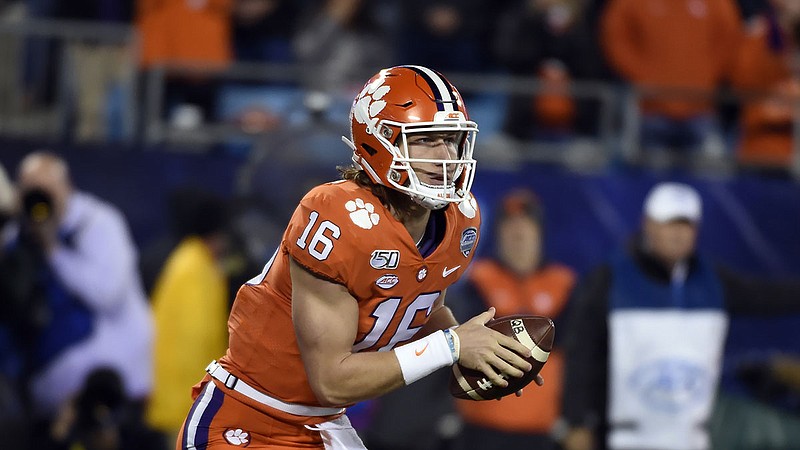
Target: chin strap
pixel 427 202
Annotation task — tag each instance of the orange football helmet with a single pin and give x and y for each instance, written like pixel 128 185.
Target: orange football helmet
pixel 400 101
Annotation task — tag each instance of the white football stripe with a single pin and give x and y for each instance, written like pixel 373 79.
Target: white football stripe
pixel 464 385
pixel 525 338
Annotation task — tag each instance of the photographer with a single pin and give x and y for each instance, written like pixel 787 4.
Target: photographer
pixel 76 279
pixel 13 417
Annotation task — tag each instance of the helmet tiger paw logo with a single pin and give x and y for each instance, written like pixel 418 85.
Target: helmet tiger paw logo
pixel 369 104
pixel 237 437
pixel 362 213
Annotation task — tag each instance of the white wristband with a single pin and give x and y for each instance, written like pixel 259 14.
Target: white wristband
pixel 454 341
pixel 423 357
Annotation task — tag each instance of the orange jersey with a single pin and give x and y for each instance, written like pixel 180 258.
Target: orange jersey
pixel 341 232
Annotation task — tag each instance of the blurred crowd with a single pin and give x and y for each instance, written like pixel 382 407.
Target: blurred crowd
pixel 711 78
pixel 101 341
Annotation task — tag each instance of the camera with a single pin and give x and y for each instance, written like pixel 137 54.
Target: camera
pixel 37 206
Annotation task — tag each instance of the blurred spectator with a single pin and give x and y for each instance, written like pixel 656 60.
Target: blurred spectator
pixel 190 304
pixel 101 67
pixel 14 419
pixel 550 41
pixel 195 35
pixel 73 274
pixel 38 71
pixel 262 30
pixel 767 68
pixel 7 200
pixel 646 335
pixel 518 280
pixel 681 51
pixel 102 417
pixel 446 34
pixel 338 42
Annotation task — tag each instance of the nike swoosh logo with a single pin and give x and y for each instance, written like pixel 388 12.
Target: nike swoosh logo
pixel 419 352
pixel 447 271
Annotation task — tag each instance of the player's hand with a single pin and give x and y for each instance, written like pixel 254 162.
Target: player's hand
pixel 494 354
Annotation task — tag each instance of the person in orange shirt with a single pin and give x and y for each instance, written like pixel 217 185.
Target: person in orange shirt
pixel 518 281
pixel 682 50
pixel 351 305
pixel 769 84
pixel 187 33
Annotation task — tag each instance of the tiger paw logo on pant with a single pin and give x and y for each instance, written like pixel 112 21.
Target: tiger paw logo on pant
pixel 237 437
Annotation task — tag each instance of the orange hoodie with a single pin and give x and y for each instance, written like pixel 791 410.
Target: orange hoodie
pixel 685 44
pixel 766 122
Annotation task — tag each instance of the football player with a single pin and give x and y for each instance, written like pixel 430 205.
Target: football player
pixel 351 305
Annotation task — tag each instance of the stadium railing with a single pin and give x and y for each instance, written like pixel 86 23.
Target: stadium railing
pixel 41 97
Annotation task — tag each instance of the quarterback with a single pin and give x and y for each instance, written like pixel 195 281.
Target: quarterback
pixel 351 305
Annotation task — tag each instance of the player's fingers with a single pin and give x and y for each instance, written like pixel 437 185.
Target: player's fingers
pixel 505 368
pixel 487 315
pixel 492 375
pixel 513 359
pixel 512 344
pixel 539 380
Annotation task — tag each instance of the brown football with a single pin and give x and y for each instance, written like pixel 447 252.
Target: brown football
pixel 535 332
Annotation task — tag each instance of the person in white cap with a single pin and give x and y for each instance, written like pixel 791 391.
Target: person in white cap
pixel 644 348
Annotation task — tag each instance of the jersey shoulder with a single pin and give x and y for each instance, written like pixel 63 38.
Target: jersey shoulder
pixel 334 225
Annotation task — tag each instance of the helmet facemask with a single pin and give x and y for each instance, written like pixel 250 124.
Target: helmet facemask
pixel 432 183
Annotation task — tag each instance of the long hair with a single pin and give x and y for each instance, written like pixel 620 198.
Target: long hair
pixel 398 202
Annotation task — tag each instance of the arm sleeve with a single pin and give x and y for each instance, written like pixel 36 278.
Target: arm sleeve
pixel 754 296
pixel 102 266
pixel 586 351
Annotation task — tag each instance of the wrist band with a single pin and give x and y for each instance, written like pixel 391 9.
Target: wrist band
pixel 454 342
pixel 422 357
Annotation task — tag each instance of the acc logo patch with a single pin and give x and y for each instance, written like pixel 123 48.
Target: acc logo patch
pixel 237 437
pixel 387 281
pixel 468 239
pixel 385 259
pixel 362 214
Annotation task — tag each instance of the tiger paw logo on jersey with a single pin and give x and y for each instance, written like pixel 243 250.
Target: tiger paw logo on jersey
pixel 237 437
pixel 362 214
pixel 369 103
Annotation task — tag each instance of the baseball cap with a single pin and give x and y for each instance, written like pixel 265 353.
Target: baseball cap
pixel 673 201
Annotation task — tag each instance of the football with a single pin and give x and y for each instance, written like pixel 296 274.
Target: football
pixel 535 332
